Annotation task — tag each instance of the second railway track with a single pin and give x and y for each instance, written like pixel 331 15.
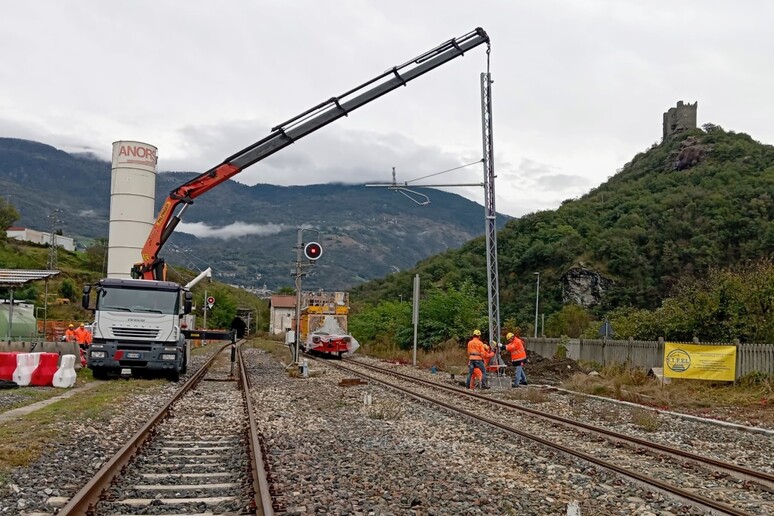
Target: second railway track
pixel 708 484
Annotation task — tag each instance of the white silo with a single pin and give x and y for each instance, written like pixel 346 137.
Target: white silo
pixel 132 212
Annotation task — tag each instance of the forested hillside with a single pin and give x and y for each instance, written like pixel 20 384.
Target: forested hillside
pixel 702 199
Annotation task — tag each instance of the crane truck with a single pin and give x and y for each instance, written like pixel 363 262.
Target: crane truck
pixel 139 327
pixel 137 321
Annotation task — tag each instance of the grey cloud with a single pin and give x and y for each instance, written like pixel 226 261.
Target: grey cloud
pixel 347 156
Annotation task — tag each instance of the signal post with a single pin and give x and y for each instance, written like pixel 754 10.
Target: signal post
pixel 312 251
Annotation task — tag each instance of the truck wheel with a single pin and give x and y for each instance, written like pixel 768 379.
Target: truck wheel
pixel 99 373
pixel 184 367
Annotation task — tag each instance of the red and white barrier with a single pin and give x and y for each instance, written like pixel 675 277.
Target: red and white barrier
pixel 44 373
pixel 65 375
pixel 26 363
pixel 38 369
pixel 8 365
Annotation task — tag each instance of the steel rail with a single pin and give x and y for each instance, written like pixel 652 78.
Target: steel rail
pixel 639 478
pixel 766 479
pixel 85 500
pixel 262 497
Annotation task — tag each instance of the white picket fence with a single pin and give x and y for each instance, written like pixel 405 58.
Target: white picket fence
pixel 647 354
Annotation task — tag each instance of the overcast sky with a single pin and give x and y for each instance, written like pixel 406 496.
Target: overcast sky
pixel 580 85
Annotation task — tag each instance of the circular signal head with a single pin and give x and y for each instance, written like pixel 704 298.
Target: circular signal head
pixel 313 250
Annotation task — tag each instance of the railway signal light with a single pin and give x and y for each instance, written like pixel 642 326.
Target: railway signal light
pixel 313 251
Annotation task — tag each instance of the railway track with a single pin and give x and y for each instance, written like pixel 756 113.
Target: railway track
pixel 702 482
pixel 200 453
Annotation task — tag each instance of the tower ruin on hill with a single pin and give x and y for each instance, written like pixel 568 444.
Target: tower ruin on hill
pixel 680 118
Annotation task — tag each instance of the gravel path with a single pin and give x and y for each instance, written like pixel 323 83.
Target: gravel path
pixel 330 453
pixel 14 398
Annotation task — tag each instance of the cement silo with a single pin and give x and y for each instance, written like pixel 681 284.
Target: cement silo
pixel 132 212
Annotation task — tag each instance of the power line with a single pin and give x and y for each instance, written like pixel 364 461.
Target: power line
pixel 444 171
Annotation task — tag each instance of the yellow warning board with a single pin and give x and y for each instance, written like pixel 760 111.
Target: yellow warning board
pixel 699 362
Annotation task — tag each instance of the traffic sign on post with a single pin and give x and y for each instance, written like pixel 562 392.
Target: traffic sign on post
pixel 210 301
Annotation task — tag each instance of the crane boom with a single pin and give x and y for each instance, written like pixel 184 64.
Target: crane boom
pixel 152 267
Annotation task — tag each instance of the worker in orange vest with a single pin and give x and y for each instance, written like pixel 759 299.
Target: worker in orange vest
pixel 518 353
pixel 476 351
pixel 69 335
pixel 487 355
pixel 82 336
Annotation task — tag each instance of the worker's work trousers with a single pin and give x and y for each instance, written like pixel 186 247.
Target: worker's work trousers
pixel 472 366
pixel 520 378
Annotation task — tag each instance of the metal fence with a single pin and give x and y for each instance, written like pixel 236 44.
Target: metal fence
pixel 646 354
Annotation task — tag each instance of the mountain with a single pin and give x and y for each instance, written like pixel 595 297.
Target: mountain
pixel 366 233
pixel 702 199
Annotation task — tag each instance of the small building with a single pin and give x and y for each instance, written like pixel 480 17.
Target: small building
pixel 40 237
pixel 282 312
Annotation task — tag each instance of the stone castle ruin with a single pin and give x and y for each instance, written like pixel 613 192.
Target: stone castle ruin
pixel 680 118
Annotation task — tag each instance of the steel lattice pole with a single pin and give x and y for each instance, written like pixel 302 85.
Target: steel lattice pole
pixel 493 290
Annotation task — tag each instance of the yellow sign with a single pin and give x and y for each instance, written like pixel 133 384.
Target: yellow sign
pixel 699 362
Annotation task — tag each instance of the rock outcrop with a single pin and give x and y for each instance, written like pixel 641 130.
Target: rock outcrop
pixel 584 287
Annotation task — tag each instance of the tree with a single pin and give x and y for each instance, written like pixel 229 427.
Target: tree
pixel 67 289
pixel 223 311
pixel 571 320
pixel 95 255
pixel 8 215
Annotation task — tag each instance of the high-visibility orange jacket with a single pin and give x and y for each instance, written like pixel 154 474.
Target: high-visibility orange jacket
pixel 516 348
pixel 82 335
pixel 476 349
pixel 487 354
pixel 69 335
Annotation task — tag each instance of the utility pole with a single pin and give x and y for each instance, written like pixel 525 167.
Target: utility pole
pixel 493 283
pixel 537 301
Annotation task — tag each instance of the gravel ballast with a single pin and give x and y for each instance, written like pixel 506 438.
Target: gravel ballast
pixel 330 452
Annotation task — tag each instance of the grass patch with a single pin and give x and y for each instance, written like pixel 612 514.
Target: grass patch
pixel 29 395
pixel 450 356
pixel 23 440
pixel 528 394
pixel 756 389
pixel 646 420
pixel 278 350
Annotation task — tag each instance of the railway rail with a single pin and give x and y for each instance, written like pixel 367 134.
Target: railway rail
pixel 193 455
pixel 723 488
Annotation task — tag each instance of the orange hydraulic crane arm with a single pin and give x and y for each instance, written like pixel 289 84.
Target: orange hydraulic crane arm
pixel 152 267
